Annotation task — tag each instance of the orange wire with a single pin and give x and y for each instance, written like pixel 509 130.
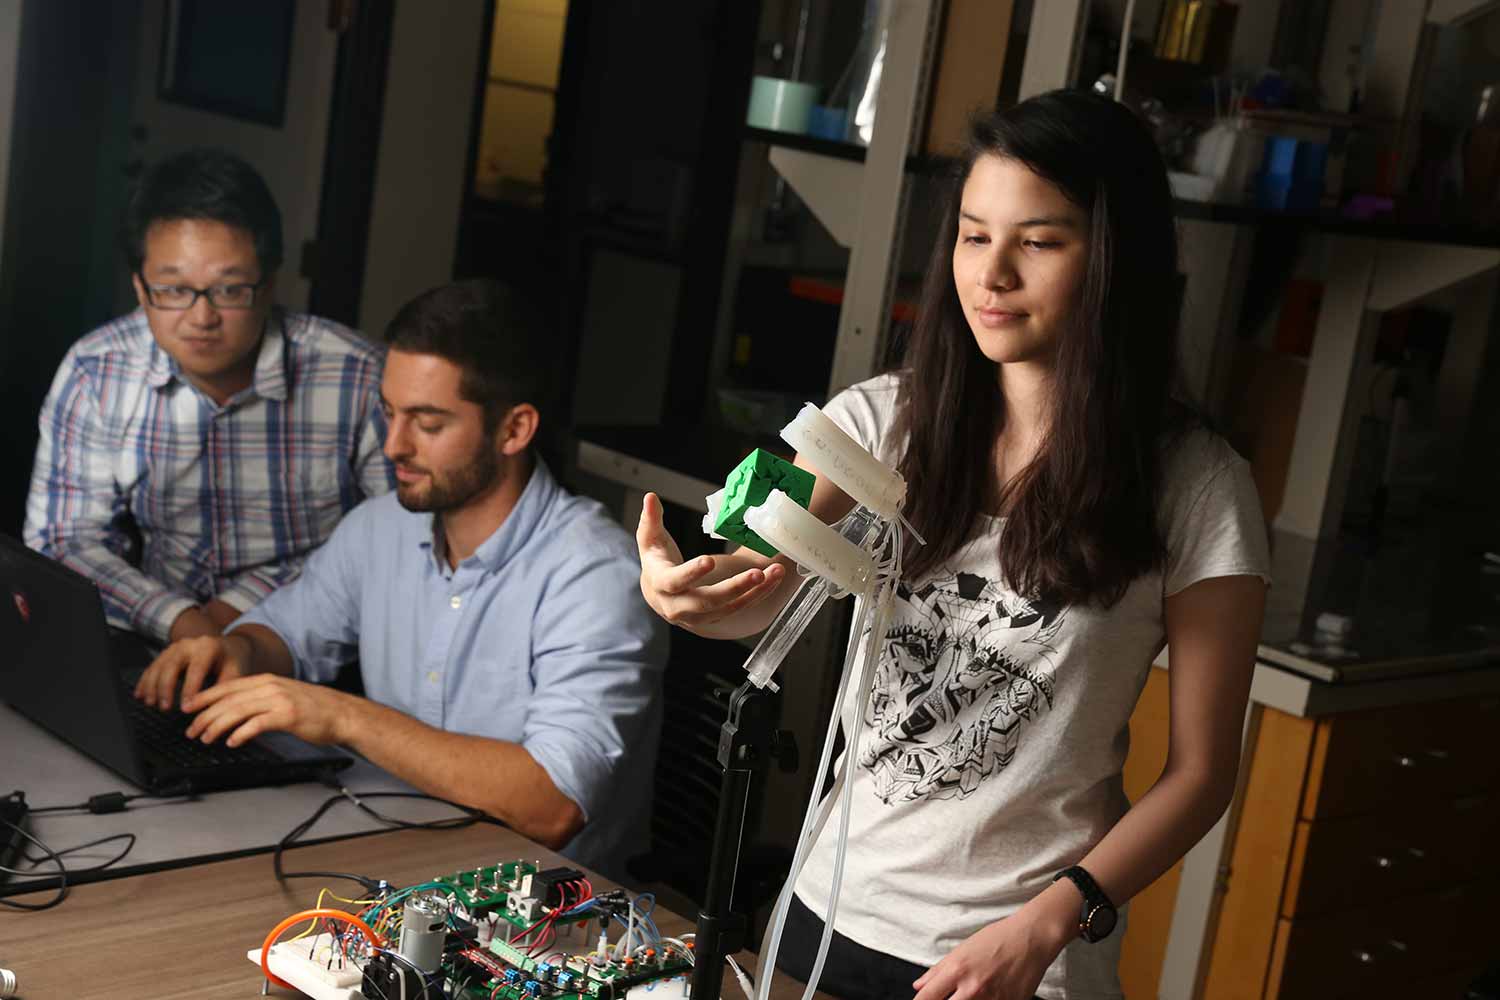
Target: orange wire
pixel 326 913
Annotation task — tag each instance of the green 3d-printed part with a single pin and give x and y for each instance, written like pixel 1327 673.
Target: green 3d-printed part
pixel 749 485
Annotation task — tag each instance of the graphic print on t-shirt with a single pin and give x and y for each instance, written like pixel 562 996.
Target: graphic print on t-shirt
pixel 965 666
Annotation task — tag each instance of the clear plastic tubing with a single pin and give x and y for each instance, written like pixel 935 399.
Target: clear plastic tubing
pixel 804 605
pixel 845 462
pixel 784 632
pixel 809 542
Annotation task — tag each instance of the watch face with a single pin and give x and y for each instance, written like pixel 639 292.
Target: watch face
pixel 1101 923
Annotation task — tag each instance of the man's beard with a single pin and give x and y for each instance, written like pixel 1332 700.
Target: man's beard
pixel 448 492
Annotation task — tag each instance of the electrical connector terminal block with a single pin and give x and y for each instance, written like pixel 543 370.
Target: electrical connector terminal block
pixel 749 485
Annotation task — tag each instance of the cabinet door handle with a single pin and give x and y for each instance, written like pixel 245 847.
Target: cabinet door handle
pixel 1432 753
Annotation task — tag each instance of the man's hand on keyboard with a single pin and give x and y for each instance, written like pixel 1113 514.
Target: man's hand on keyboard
pixel 243 708
pixel 192 663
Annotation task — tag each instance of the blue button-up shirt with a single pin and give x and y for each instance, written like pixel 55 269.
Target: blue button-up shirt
pixel 541 638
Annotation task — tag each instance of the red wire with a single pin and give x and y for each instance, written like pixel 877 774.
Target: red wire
pixel 562 906
pixel 541 938
pixel 546 919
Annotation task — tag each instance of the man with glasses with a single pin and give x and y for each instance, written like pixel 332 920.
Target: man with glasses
pixel 194 452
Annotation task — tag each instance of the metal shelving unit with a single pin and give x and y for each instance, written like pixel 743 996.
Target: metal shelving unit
pixel 860 196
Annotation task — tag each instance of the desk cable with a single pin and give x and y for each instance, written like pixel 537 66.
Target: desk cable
pixel 109 802
pixel 48 854
pixel 470 817
pixel 112 802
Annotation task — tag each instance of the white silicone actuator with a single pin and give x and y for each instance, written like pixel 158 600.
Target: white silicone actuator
pixel 714 501
pixel 845 462
pixel 812 544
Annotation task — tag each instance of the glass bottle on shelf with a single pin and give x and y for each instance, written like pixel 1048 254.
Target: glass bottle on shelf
pixel 863 74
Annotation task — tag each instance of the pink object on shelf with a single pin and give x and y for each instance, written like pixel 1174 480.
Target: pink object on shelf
pixel 1364 207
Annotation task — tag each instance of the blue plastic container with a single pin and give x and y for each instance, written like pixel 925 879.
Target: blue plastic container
pixel 1291 175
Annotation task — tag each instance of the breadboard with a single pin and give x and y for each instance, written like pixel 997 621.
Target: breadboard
pixel 289 961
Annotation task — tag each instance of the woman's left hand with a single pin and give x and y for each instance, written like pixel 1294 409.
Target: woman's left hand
pixel 1004 961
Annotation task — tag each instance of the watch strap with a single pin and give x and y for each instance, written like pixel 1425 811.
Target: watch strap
pixel 1094 900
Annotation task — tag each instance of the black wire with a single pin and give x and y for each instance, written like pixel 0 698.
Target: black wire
pixel 176 792
pixel 93 843
pixel 372 884
pixel 290 839
pixel 62 871
pixel 62 874
pixel 80 806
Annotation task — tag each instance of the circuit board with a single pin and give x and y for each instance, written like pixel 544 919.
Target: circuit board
pixel 313 967
pixel 509 931
pixel 575 978
pixel 503 891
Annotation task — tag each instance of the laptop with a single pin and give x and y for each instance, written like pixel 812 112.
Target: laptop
pixel 67 670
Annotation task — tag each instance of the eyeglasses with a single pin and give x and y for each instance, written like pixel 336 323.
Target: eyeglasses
pixel 180 297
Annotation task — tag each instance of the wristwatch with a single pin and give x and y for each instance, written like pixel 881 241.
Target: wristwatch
pixel 1099 916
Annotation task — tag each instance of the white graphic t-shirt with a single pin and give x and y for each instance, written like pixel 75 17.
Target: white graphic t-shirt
pixel 990 750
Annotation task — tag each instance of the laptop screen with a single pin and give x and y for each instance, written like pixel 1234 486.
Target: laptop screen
pixel 58 670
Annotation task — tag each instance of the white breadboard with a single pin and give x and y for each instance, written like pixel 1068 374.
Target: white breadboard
pixel 289 961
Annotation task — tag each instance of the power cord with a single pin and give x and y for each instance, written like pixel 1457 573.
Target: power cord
pixel 471 817
pixel 113 802
pixel 129 846
pixel 48 854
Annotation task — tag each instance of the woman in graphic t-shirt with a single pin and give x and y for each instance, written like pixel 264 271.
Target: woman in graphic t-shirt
pixel 1077 519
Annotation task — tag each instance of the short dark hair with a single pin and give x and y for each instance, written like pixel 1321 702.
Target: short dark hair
pixel 491 333
pixel 204 184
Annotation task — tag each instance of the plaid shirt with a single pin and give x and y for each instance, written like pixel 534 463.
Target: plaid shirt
pixel 228 500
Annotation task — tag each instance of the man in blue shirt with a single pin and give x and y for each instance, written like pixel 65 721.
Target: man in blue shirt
pixel 508 658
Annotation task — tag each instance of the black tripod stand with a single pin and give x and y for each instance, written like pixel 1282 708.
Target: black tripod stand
pixel 747 743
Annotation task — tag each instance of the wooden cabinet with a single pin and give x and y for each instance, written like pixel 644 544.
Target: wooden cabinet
pixel 1362 861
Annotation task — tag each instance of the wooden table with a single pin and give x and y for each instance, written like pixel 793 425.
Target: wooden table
pixel 184 933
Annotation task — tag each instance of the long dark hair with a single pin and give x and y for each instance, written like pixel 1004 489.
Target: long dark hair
pixel 1081 517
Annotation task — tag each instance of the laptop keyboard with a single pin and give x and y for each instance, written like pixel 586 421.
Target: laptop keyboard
pixel 162 733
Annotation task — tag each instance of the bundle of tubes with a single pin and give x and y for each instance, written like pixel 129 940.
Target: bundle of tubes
pixel 861 555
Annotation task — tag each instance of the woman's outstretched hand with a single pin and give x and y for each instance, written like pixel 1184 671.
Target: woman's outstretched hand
pixel 703 591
